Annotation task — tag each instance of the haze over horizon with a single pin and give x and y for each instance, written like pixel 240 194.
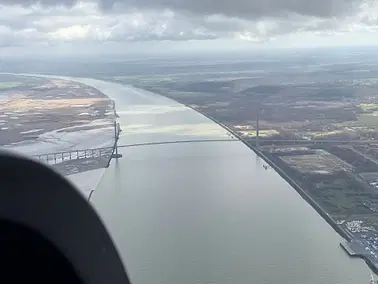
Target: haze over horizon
pixel 32 27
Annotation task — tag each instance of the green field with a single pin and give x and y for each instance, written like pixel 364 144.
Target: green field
pixel 368 107
pixel 318 134
pixel 365 119
pixel 262 133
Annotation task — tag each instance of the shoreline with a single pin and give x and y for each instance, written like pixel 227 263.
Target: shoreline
pixel 343 233
pixel 106 97
pixel 70 166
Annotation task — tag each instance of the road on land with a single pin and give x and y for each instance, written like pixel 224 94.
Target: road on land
pixel 207 212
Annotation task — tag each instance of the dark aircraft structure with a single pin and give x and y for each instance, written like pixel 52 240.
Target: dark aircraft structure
pixel 49 233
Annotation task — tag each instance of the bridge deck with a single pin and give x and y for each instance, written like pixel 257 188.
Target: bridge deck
pixel 106 152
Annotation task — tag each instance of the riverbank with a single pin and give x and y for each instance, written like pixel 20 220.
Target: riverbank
pixel 88 181
pixel 355 249
pixel 343 233
pixel 47 115
pixel 35 123
pixel 231 192
pixel 92 124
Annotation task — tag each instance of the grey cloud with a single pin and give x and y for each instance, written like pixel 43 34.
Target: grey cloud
pixel 68 3
pixel 167 37
pixel 247 9
pixel 265 29
pixel 15 23
pixel 223 24
pixel 158 27
pixel 229 17
pixel 173 20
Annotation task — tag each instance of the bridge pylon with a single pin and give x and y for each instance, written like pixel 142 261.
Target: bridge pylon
pixel 257 132
pixel 115 153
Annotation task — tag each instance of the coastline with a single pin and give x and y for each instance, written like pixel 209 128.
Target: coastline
pixel 81 176
pixel 304 195
pixel 343 233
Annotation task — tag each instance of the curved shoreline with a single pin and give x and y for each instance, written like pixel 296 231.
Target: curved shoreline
pixel 112 141
pixel 299 190
pixel 343 233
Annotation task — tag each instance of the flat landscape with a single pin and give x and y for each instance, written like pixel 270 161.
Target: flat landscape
pixel 318 122
pixel 39 116
pixel 317 111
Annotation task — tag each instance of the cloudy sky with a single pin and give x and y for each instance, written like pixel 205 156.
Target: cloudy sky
pixel 28 26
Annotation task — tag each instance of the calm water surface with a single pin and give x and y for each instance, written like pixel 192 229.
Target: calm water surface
pixel 208 212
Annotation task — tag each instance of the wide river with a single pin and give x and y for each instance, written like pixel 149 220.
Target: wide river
pixel 201 213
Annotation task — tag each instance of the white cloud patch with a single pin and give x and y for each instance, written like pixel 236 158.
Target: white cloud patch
pixel 50 22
